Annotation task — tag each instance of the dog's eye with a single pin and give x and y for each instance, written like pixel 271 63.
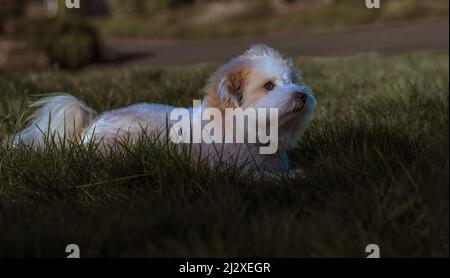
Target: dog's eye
pixel 269 86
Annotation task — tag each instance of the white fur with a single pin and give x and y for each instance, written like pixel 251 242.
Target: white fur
pixel 74 120
pixel 62 117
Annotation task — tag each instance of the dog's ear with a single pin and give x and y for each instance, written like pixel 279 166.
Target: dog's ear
pixel 231 86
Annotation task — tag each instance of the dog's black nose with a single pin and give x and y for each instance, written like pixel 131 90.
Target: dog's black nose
pixel 301 97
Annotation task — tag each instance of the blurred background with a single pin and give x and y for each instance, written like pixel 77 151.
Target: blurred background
pixel 40 34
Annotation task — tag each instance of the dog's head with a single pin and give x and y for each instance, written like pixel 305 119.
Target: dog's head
pixel 261 78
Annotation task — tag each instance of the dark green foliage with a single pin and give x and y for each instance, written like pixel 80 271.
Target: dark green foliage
pixel 375 159
pixel 68 42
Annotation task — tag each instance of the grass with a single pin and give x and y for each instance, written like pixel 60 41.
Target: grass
pixel 375 160
pixel 261 19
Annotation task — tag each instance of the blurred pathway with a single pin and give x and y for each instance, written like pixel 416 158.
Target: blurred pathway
pixel 397 37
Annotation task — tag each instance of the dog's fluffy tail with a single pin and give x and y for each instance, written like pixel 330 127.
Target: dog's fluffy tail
pixel 61 117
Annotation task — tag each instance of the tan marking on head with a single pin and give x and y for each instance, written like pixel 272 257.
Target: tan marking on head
pixel 255 91
pixel 228 80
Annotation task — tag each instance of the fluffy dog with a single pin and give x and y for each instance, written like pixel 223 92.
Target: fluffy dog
pixel 259 78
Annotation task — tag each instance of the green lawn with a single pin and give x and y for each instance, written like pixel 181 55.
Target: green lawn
pixel 375 159
pixel 261 19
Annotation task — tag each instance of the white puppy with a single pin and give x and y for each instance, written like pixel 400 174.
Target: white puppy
pixel 259 78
